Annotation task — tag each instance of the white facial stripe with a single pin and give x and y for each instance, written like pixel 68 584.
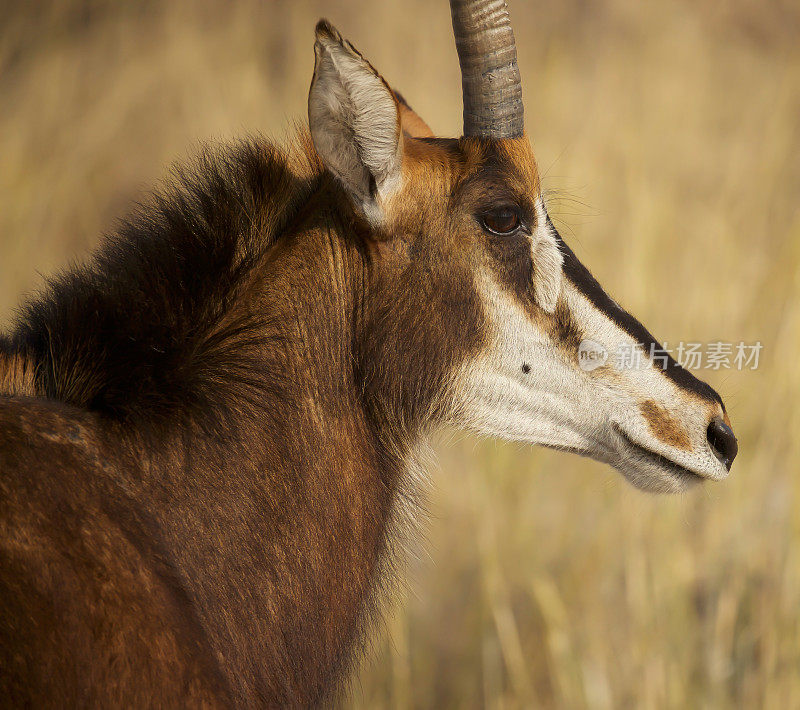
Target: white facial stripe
pixel 548 262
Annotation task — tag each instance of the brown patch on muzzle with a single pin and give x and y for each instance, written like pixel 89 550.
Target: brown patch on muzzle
pixel 664 426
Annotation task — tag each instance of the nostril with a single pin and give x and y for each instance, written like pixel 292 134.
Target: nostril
pixel 722 441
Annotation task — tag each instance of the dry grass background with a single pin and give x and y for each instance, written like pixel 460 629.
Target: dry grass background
pixel 669 135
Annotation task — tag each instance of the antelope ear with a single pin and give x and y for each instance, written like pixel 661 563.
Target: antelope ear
pixel 410 120
pixel 355 122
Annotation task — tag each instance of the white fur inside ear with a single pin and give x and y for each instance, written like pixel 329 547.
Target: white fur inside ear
pixel 548 263
pixel 354 124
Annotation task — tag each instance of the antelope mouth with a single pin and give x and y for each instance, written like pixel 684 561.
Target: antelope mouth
pixel 667 465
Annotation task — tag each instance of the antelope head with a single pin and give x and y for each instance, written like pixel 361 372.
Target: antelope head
pixel 481 316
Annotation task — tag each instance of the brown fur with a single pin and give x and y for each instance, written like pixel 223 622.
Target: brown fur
pixel 93 614
pixel 411 122
pixel 16 375
pixel 665 426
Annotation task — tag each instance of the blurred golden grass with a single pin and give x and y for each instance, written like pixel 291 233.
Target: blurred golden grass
pixel 668 137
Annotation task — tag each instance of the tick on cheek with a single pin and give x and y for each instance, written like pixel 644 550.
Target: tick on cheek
pixel 526 368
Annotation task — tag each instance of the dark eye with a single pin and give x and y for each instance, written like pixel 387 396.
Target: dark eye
pixel 501 220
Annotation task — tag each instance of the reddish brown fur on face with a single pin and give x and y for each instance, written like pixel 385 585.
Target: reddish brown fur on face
pixel 473 174
pixel 665 426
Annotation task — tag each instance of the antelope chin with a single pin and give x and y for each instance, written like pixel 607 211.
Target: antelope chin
pixel 652 472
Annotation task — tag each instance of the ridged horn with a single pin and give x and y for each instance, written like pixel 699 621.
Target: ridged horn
pixel 489 73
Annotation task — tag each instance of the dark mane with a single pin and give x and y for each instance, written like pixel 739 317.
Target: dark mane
pixel 150 321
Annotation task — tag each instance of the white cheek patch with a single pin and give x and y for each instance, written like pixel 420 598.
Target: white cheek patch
pixel 521 387
pixel 548 263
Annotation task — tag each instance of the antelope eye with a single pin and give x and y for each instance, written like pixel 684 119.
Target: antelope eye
pixel 501 220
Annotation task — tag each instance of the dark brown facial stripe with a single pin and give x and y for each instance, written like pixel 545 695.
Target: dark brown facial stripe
pixel 565 330
pixel 583 280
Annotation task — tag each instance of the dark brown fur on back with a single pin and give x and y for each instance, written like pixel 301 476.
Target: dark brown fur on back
pixel 93 614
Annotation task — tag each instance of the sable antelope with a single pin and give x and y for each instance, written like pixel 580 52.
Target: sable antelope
pixel 204 431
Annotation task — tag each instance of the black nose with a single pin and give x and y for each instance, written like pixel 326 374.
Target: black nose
pixel 723 442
